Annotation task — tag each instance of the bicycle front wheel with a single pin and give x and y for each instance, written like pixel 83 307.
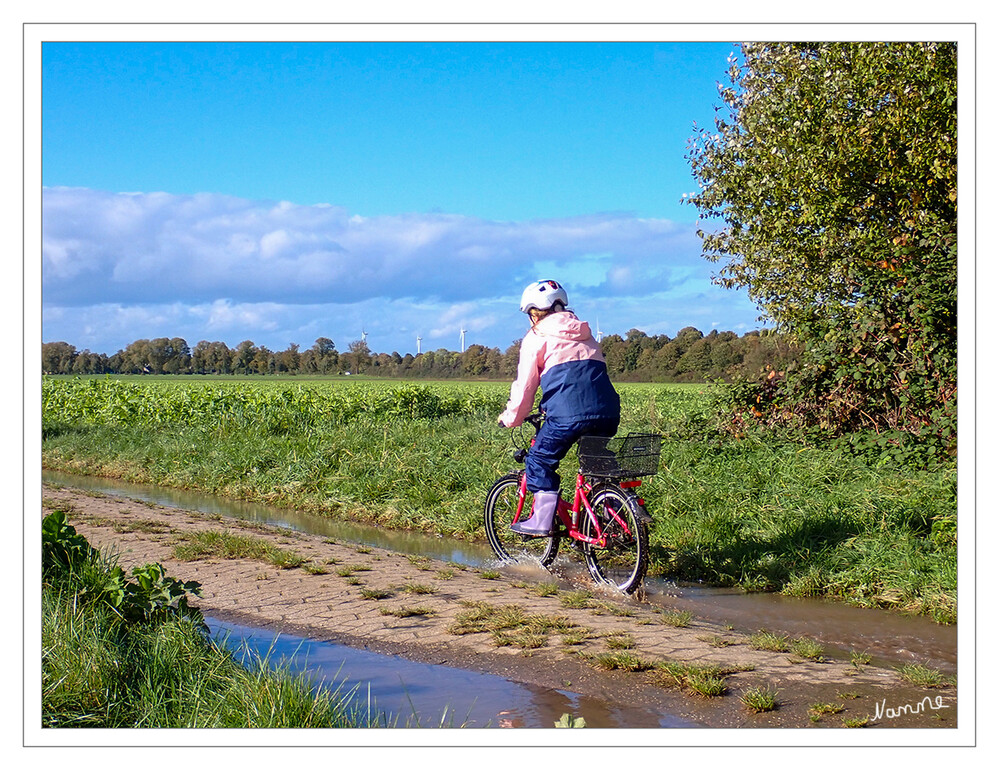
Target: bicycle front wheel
pixel 500 511
pixel 624 557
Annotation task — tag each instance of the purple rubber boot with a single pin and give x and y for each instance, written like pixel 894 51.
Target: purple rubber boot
pixel 542 516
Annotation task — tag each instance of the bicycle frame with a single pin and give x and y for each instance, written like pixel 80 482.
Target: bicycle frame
pixel 569 515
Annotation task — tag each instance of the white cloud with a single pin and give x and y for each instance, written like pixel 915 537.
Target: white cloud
pixel 104 247
pixel 222 317
pixel 211 266
pixel 273 243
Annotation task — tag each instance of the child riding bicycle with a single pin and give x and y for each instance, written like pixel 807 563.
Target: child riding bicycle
pixel 559 355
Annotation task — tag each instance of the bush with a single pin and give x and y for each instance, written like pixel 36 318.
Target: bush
pixel 149 596
pixel 833 173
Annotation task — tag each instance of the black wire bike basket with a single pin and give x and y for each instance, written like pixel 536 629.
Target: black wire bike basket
pixel 630 456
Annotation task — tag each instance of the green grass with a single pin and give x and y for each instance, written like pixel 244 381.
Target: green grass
pixel 768 640
pixel 509 624
pixel 375 593
pixel 409 612
pixel 227 545
pixel 620 641
pixel 677 618
pixel 576 599
pixel 923 676
pixel 760 699
pixel 808 649
pixel 757 512
pixel 620 661
pixel 818 710
pixel 544 589
pixel 101 670
pixel 802 647
pixel 707 681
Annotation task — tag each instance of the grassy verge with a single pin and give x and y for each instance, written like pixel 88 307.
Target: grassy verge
pixel 756 512
pixel 103 667
pixel 808 522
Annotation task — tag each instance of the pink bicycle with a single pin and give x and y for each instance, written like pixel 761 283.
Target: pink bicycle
pixel 607 521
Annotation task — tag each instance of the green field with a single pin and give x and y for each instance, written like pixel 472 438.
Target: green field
pixel 757 512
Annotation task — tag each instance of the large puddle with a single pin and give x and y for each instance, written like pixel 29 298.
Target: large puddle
pixel 887 637
pixel 402 693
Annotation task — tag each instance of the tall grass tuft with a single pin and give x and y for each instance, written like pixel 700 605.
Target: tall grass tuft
pixel 103 668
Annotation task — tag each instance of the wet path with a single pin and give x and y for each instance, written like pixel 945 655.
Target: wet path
pixel 889 638
pixel 370 599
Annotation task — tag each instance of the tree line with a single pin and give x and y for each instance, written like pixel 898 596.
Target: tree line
pixel 690 356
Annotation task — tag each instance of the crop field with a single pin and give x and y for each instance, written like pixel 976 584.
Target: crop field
pixel 753 511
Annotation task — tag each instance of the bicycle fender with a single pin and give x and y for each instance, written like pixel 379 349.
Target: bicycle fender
pixel 642 515
pixel 638 504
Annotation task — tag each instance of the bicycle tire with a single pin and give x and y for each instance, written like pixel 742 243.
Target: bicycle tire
pixel 625 559
pixel 500 508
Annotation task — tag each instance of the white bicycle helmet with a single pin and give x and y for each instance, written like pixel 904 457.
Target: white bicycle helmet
pixel 542 295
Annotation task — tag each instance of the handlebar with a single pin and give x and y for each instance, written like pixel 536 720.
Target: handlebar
pixel 535 420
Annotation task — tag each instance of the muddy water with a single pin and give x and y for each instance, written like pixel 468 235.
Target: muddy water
pixel 402 693
pixel 887 637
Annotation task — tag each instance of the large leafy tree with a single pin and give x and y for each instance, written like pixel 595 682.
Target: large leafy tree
pixel 828 186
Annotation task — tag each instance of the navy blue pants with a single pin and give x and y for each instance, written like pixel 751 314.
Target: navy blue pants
pixel 553 443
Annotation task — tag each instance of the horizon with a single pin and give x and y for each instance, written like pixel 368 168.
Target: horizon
pixel 303 347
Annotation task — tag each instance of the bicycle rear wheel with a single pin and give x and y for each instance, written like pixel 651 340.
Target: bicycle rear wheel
pixel 500 510
pixel 623 560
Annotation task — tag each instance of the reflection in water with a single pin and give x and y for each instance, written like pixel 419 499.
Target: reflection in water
pixel 471 554
pixel 424 695
pixel 887 636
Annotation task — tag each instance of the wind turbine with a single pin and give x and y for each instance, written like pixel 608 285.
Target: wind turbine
pixel 600 334
pixel 419 339
pixel 364 335
pixel 463 330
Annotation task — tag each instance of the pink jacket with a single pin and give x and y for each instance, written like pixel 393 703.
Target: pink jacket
pixel 560 355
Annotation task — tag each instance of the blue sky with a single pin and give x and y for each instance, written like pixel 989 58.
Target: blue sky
pixel 279 192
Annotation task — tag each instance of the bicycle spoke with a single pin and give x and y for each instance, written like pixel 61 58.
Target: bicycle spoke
pixel 500 512
pixel 620 559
